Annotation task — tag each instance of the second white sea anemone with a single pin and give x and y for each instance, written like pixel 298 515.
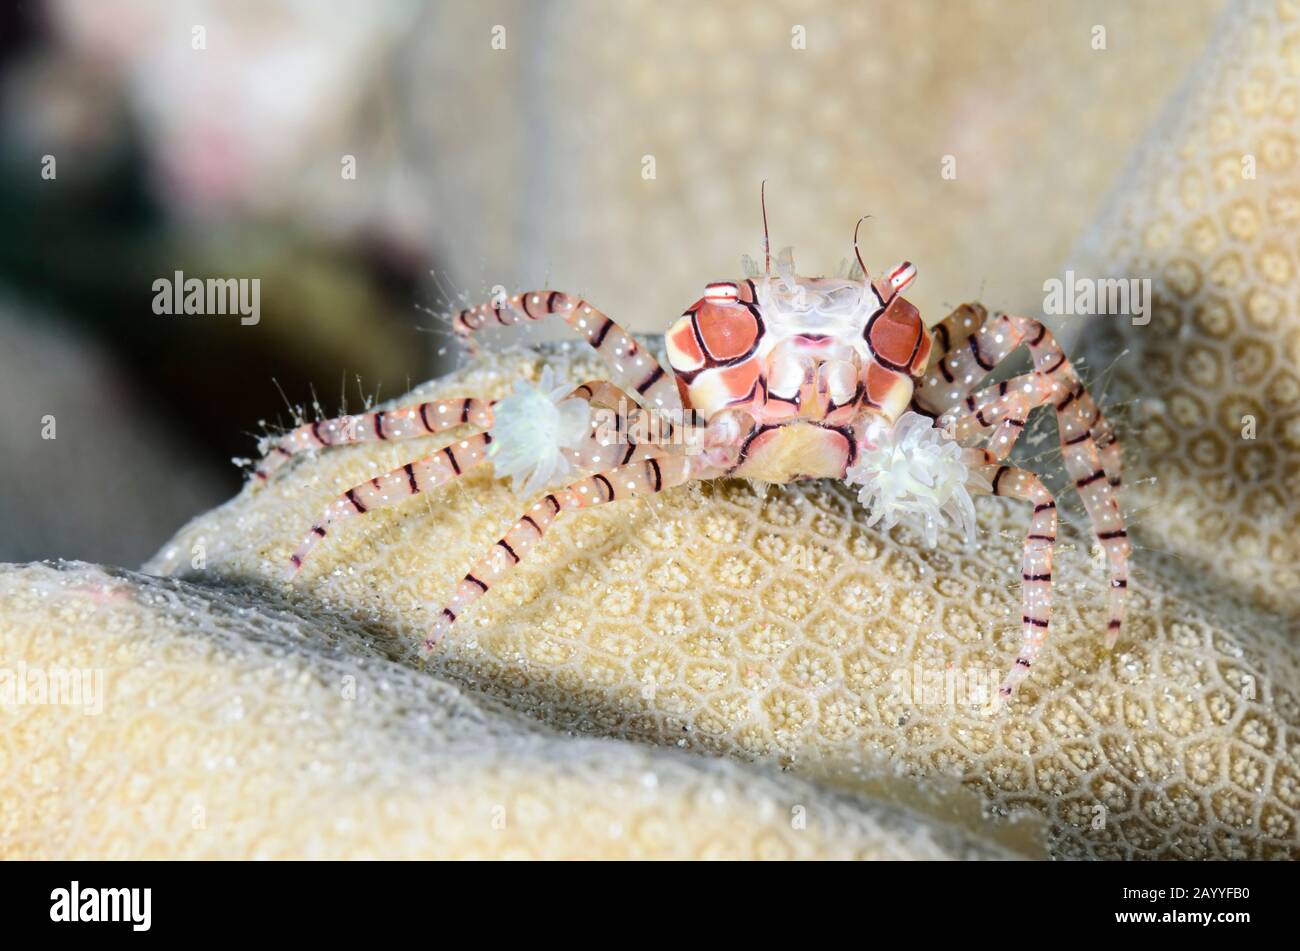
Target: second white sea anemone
pixel 915 470
pixel 532 427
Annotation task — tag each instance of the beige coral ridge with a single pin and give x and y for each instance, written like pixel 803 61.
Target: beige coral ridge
pixel 233 727
pixel 772 626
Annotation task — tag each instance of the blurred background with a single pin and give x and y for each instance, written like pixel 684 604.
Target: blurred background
pixel 375 165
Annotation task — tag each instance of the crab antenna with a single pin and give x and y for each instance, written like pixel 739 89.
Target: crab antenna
pixel 856 252
pixel 767 242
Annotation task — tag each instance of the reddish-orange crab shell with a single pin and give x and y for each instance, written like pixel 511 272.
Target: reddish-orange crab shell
pixel 809 348
pixel 713 348
pixel 898 338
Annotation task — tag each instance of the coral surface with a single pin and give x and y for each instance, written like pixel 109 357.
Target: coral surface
pixel 769 624
pixel 233 727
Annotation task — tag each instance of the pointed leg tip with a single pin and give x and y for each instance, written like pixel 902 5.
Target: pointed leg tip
pixel 1112 636
pixel 437 632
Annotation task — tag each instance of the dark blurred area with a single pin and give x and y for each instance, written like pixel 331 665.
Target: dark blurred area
pixel 148 410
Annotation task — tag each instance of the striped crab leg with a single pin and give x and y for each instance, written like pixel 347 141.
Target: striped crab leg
pixel 629 413
pixel 603 393
pixel 409 422
pixel 1088 445
pixel 1092 458
pixel 603 449
pixel 957 369
pixel 933 393
pixel 1003 408
pixel 635 368
pixel 448 463
pixel 392 488
pixel 649 476
pixel 1036 565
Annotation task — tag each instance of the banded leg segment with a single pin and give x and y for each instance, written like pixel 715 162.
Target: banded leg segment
pixel 603 393
pixel 1003 408
pixel 936 392
pixel 952 377
pixel 394 487
pixel 1088 445
pixel 1035 566
pixel 624 419
pixel 1095 471
pixel 647 477
pixel 452 461
pixel 601 451
pixel 635 368
pixel 408 422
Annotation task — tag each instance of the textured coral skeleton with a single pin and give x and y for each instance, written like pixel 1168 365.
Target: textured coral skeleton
pixel 775 378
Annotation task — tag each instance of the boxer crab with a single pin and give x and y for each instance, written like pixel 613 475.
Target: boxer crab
pixel 777 378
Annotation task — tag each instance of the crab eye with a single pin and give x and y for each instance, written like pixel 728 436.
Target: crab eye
pixel 725 292
pixel 901 276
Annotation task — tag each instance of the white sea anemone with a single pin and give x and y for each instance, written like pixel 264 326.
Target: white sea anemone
pixel 530 429
pixel 914 469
